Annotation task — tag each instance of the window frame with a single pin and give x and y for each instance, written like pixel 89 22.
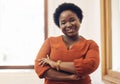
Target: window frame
pixel 108 75
pixel 45 35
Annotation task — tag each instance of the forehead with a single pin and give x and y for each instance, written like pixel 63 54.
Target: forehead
pixel 67 14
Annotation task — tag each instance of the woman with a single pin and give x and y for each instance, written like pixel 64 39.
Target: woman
pixel 68 58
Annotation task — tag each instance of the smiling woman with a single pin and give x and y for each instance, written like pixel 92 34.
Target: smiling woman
pixel 71 56
pixel 21 31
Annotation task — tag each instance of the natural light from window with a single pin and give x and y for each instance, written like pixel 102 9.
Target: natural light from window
pixel 21 31
pixel 115 35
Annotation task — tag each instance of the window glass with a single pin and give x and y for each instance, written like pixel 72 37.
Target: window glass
pixel 115 35
pixel 21 31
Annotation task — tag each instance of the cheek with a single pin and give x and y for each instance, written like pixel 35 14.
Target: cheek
pixel 78 25
pixel 62 28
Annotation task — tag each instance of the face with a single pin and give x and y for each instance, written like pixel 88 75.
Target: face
pixel 69 23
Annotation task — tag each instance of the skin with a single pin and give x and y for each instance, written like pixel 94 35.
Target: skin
pixel 69 25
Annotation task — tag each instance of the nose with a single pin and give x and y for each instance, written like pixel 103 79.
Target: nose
pixel 68 24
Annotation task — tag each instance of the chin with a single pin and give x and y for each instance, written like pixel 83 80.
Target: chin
pixel 71 35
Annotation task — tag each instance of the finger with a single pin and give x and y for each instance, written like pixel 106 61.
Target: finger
pixel 41 59
pixel 48 57
pixel 42 63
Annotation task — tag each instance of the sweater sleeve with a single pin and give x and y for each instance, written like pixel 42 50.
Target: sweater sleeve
pixel 89 64
pixel 44 51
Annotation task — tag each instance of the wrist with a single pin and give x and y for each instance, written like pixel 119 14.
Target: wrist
pixel 53 64
pixel 58 65
pixel 74 77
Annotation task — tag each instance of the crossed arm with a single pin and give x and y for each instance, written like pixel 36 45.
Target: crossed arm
pixel 70 70
pixel 67 70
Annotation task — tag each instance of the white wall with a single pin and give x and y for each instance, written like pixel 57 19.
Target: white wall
pixel 90 27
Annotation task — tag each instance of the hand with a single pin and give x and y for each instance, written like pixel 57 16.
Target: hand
pixel 47 61
pixel 74 77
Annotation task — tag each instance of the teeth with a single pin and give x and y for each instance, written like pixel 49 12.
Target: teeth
pixel 70 30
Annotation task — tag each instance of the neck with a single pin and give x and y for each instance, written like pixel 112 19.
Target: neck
pixel 71 39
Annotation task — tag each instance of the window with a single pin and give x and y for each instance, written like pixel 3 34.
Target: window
pixel 110 73
pixel 115 10
pixel 21 32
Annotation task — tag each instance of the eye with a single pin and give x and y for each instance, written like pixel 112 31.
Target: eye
pixel 63 22
pixel 72 20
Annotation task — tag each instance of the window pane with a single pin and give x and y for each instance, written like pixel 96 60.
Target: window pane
pixel 115 35
pixel 21 31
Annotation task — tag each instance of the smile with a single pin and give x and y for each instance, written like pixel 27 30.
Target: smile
pixel 70 30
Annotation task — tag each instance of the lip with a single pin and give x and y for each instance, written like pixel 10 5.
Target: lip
pixel 70 30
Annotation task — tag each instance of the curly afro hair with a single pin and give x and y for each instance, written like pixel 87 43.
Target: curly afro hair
pixel 67 6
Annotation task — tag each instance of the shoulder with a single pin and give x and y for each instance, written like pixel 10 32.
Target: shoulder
pixel 90 42
pixel 54 39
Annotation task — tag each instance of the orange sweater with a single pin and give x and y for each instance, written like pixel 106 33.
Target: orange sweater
pixel 84 54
